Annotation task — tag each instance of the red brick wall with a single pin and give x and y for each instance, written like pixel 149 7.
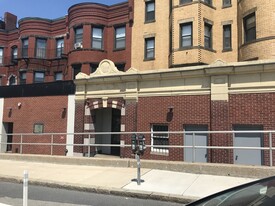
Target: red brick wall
pixel 254 109
pixel 130 125
pixel 79 125
pixel 45 110
pixel 219 122
pixel 154 110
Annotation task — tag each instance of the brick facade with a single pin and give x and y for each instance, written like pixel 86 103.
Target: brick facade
pixel 218 97
pixel 24 113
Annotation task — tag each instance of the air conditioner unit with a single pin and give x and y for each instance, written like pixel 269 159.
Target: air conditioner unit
pixel 78 45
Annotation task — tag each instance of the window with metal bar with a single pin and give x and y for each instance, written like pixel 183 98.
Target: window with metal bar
pixel 159 138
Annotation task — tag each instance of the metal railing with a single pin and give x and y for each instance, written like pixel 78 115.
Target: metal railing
pixel 89 144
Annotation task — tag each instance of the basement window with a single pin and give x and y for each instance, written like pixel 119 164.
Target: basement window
pixel 159 138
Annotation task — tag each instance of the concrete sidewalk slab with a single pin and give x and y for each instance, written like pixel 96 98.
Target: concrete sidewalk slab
pixel 72 174
pixel 159 184
pixel 185 184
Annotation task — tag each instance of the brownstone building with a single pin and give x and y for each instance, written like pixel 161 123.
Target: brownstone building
pixel 40 58
pixel 177 65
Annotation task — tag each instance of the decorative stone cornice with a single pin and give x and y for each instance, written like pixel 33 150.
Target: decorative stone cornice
pixel 218 79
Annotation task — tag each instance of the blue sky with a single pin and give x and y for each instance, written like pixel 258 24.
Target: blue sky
pixel 50 9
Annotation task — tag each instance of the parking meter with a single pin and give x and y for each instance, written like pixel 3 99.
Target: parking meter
pixel 141 143
pixel 134 143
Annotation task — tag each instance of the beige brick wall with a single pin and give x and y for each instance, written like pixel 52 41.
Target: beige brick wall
pixel 159 29
pixel 262 48
pixel 218 16
pixel 198 13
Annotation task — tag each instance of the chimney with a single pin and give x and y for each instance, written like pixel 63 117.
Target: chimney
pixel 10 21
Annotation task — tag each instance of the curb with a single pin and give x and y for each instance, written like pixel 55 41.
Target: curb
pixel 105 190
pixel 245 171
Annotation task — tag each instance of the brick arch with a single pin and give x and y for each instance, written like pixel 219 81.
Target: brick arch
pixel 92 105
pixel 108 103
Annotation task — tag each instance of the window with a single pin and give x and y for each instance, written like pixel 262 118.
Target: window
pixel 38 128
pixel 149 11
pixel 159 138
pixel 150 48
pixel 41 48
pixel 207 36
pixel 58 76
pixel 12 80
pixel 39 77
pixel 1 80
pixel 227 37
pixel 93 67
pixel 186 35
pixel 78 35
pixel 23 77
pixel 120 37
pixel 1 55
pixel 25 46
pixel 226 3
pixel 120 66
pixel 14 54
pixel 97 37
pixel 249 28
pixel 59 47
pixel 209 2
pixel 185 1
pixel 76 70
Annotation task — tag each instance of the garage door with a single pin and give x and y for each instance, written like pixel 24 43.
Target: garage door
pixel 199 155
pixel 248 157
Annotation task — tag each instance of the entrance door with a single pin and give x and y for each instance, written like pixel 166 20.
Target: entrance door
pixel 199 140
pixel 115 138
pixel 107 120
pixel 248 157
pixel 7 137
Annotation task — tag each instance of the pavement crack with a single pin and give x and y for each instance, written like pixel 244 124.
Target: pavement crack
pixel 191 184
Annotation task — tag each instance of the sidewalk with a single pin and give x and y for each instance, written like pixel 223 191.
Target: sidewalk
pixel 158 184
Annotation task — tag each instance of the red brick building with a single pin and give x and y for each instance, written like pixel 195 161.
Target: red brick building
pixel 39 60
pixel 41 57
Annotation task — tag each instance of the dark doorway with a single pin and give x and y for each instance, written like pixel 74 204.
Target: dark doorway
pixel 108 120
pixel 115 138
pixel 9 131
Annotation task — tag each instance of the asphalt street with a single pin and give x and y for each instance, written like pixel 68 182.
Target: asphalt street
pixel 11 194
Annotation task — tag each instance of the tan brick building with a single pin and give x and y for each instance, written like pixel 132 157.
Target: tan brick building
pixel 186 32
